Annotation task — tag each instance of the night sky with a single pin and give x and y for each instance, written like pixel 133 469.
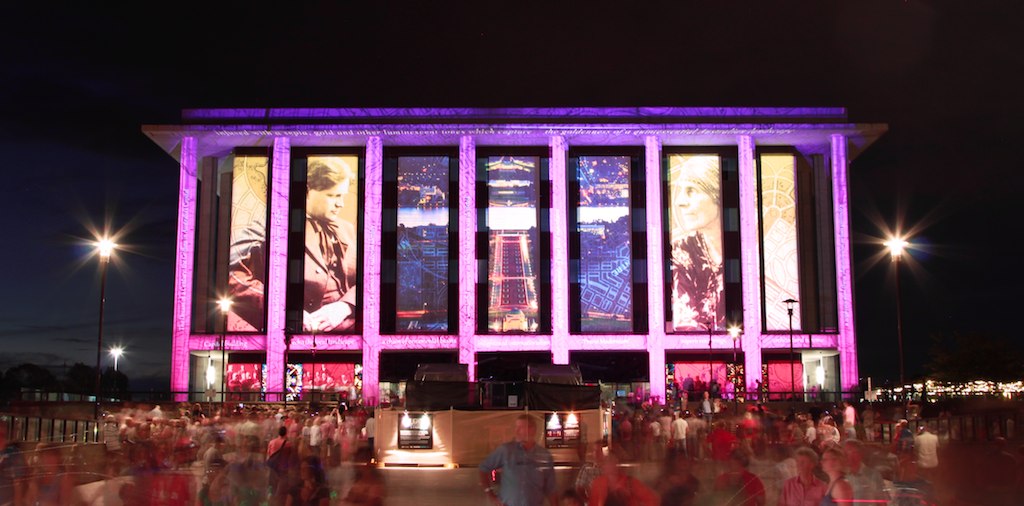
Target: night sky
pixel 77 84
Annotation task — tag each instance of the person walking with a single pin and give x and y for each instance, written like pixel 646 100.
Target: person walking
pixel 527 469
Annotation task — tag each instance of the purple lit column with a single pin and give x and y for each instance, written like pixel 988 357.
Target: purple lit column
pixel 372 210
pixel 183 270
pixel 467 253
pixel 655 290
pixel 277 268
pixel 750 262
pixel 848 371
pixel 559 253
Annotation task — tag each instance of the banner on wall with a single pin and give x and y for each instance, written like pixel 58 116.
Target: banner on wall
pixel 779 239
pixel 247 255
pixel 423 237
pixel 512 259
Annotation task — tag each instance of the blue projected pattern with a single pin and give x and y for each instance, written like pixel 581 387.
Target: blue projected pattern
pixel 603 222
pixel 423 213
pixel 512 222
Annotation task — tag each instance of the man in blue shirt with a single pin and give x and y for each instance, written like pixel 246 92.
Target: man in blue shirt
pixel 527 469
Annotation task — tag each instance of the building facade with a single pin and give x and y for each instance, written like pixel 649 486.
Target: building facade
pixel 706 244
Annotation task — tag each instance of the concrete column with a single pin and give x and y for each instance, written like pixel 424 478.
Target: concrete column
pixel 559 251
pixel 277 270
pixel 373 208
pixel 468 254
pixel 848 370
pixel 750 262
pixel 655 269
pixel 183 270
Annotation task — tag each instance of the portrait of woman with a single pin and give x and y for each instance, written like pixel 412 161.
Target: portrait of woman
pixel 696 241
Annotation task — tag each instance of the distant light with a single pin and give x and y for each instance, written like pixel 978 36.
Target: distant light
pixel 896 246
pixel 735 331
pixel 116 352
pixel 225 304
pixel 105 247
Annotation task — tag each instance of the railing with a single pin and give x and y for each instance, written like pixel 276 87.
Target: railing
pixel 28 428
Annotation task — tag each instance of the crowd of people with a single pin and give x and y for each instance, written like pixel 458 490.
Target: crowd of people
pixel 248 456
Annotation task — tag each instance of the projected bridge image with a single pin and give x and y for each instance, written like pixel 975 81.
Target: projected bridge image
pixel 513 294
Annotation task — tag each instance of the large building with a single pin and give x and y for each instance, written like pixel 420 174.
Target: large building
pixel 678 245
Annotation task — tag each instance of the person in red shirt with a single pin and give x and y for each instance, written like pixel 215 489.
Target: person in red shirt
pixel 737 486
pixel 722 442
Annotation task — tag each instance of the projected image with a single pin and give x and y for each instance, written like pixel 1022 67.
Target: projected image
pixel 695 241
pixel 603 222
pixel 342 378
pixel 331 257
pixel 781 260
pixel 512 222
pixel 247 262
pixel 423 212
pixel 245 377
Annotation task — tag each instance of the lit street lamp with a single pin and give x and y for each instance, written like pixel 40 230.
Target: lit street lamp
pixel 792 356
pixel 896 246
pixel 116 353
pixel 225 307
pixel 104 247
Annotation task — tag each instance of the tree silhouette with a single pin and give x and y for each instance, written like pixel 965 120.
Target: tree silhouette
pixel 968 357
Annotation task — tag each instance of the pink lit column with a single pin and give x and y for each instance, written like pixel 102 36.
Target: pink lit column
pixel 372 210
pixel 559 252
pixel 183 269
pixel 655 292
pixel 848 371
pixel 467 254
pixel 277 270
pixel 750 262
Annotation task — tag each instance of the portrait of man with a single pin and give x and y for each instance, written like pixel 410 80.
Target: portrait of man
pixel 696 241
pixel 331 250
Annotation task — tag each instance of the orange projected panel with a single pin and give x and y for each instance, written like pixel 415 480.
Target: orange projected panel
pixel 247 263
pixel 781 262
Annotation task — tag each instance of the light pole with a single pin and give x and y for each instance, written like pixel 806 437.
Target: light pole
pixel 116 353
pixel 710 325
pixel 896 246
pixel 225 307
pixel 792 356
pixel 105 247
pixel 734 332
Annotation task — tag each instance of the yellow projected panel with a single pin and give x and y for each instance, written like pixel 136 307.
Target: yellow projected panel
pixel 781 262
pixel 248 259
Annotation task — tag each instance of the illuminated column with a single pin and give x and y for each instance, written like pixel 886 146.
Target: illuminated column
pixel 655 288
pixel 277 268
pixel 559 252
pixel 750 262
pixel 371 269
pixel 848 371
pixel 467 254
pixel 183 270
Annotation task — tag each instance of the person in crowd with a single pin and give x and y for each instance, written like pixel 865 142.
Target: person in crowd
pixel 311 489
pixel 926 451
pixel 527 469
pixel 367 489
pixel 865 479
pixel 614 487
pixel 833 462
pixel 676 484
pixel 804 489
pixel 12 470
pixel 737 486
pixel 50 484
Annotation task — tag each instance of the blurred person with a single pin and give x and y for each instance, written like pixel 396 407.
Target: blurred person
pixel 926 451
pixel 311 488
pixel 282 458
pixel 828 433
pixel 214 492
pixel 614 487
pixel 833 462
pixel 868 422
pixel 527 469
pixel 676 484
pixel 804 489
pixel 247 474
pixel 903 447
pixel 679 434
pixel 368 488
pixel 50 484
pixel 737 486
pixel 866 481
pixel 722 442
pixel 12 470
pixel 589 469
pixel 571 498
pixel 849 420
pixel 371 434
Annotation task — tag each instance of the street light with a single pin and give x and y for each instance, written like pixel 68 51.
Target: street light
pixel 734 332
pixel 896 246
pixel 792 356
pixel 225 307
pixel 116 353
pixel 710 326
pixel 104 247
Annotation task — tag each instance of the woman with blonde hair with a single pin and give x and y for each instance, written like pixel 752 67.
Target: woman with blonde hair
pixel 833 462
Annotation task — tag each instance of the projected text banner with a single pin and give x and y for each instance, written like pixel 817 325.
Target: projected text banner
pixel 603 223
pixel 423 213
pixel 512 260
pixel 247 262
pixel 781 263
pixel 695 241
pixel 331 248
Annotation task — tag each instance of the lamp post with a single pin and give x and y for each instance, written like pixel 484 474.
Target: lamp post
pixel 225 307
pixel 734 333
pixel 896 246
pixel 792 356
pixel 710 325
pixel 105 247
pixel 314 366
pixel 116 353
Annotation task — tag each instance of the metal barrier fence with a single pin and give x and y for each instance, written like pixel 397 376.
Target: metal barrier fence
pixel 28 428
